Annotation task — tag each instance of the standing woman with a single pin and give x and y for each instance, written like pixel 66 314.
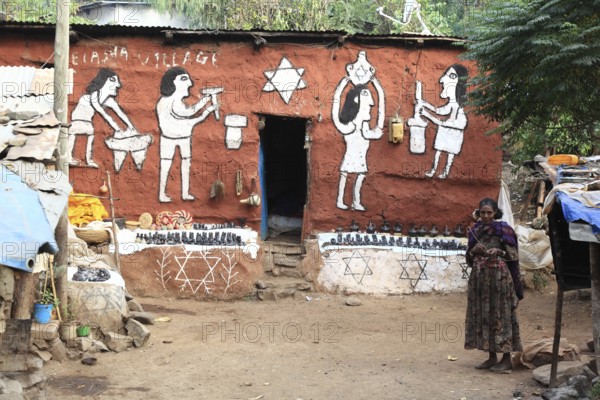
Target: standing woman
pixel 494 288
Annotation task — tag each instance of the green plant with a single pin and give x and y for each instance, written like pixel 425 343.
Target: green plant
pixel 47 297
pixel 540 280
pixel 594 393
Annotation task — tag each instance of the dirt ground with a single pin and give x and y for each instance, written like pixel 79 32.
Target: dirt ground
pixel 387 348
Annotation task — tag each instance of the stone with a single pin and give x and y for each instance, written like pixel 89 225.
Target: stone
pixel 35 393
pixel 590 345
pixel 47 331
pixel 41 344
pixel 291 272
pixel 565 370
pixel 58 350
pixel 7 283
pixel 128 296
pixel 589 373
pixel 43 354
pixel 353 301
pixel 28 379
pixel 580 383
pixel 4 119
pixel 99 346
pixel 561 393
pixel 285 293
pixel 83 343
pixel 144 317
pixel 305 286
pixel 11 396
pixel 9 385
pixel 134 305
pixel 287 260
pixel 260 284
pixel 266 295
pixel 73 354
pixel 117 342
pixel 138 332
pixel 34 363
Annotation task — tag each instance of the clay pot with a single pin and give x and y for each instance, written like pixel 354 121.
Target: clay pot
pixel 398 227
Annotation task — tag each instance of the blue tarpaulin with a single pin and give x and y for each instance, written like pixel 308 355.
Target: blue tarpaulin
pixel 24 228
pixel 574 210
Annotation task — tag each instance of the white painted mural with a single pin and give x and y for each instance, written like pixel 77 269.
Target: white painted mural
pixel 353 122
pixel 177 121
pixel 233 130
pixel 285 79
pixel 451 119
pixel 101 99
pixel 389 269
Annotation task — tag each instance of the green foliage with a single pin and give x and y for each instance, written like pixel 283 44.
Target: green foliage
pixel 46 297
pixel 594 393
pixel 539 72
pixel 38 11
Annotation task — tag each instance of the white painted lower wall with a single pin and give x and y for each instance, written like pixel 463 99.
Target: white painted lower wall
pixel 390 270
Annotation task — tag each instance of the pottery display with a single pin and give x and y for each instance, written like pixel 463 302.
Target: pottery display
pixel 354 227
pixel 371 227
pixel 397 228
pixel 362 239
pixel 434 231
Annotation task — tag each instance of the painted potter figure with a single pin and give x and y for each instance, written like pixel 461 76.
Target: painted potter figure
pixel 353 123
pixel 450 133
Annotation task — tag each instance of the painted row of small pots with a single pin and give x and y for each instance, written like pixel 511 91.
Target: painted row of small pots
pixel 413 231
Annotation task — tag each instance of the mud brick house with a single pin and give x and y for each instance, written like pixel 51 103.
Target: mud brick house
pixel 272 126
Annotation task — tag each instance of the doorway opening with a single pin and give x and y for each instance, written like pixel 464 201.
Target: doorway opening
pixel 283 177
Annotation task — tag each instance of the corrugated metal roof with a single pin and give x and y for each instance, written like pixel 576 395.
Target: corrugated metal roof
pixel 20 81
pixel 157 30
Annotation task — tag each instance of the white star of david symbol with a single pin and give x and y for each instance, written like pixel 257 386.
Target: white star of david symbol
pixel 285 79
pixel 195 284
pixel 421 264
pixel 364 260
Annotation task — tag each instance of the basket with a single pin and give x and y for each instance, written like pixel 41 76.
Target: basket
pixel 92 236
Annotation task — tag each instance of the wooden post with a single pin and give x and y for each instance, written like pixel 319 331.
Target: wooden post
pixel 557 329
pixel 595 273
pixel 114 224
pixel 24 296
pixel 61 104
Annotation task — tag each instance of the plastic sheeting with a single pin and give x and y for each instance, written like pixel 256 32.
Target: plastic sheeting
pixel 25 229
pixel 505 205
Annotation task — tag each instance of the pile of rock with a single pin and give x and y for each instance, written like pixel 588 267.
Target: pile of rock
pixel 574 380
pixel 46 345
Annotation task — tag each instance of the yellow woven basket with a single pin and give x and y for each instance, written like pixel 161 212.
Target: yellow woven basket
pixel 92 236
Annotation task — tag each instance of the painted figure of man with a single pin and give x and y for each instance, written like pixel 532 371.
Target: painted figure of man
pixel 99 96
pixel 450 132
pixel 176 121
pixel 353 123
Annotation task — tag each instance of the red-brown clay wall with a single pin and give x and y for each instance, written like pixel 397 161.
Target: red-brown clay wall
pixel 395 181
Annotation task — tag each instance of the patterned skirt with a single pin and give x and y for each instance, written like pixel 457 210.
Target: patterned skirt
pixel 491 323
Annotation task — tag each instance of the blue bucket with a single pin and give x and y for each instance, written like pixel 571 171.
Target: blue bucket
pixel 42 313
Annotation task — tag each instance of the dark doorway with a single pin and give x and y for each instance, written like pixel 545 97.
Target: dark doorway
pixel 283 176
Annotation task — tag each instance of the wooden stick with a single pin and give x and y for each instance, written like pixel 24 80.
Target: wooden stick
pixel 54 290
pixel 114 224
pixel 540 199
